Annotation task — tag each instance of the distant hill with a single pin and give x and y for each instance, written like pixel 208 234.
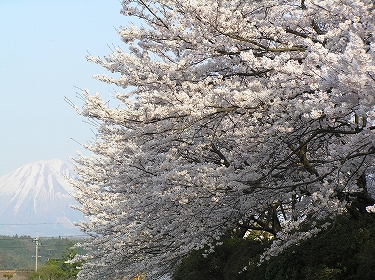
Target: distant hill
pixel 35 200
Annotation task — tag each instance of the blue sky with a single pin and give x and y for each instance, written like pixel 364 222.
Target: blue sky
pixel 43 48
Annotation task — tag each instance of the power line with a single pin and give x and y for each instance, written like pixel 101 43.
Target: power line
pixel 23 237
pixel 73 238
pixel 23 247
pixel 36 224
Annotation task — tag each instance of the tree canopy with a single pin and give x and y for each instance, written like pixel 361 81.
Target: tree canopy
pixel 234 115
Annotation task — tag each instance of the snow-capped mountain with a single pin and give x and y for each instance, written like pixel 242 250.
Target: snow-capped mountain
pixel 35 200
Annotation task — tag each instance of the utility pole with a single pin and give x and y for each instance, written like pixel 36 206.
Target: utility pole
pixel 37 244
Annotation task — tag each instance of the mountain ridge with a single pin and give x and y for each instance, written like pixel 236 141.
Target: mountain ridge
pixel 38 193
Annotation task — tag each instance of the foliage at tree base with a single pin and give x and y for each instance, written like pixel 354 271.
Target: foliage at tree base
pixel 346 250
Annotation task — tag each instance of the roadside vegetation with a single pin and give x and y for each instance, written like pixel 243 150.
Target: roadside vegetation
pixel 59 269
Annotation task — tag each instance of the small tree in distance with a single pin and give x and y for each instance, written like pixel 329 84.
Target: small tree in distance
pixel 235 115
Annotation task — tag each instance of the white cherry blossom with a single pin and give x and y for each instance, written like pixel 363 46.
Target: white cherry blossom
pixel 235 115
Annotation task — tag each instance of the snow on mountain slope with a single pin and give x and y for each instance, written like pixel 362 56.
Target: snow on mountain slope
pixel 38 194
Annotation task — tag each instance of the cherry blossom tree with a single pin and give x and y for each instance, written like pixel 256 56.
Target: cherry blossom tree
pixel 235 115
